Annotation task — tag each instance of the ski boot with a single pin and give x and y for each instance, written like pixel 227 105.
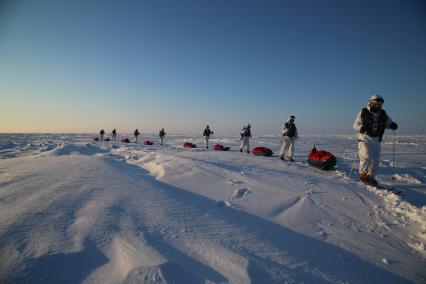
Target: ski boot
pixel 241 150
pixel 363 177
pixel 282 158
pixel 291 159
pixel 371 180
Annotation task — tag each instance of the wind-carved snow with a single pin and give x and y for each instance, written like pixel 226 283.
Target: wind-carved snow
pixel 406 178
pixel 112 213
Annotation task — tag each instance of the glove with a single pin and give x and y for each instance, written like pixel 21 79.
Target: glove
pixel 393 126
pixel 362 129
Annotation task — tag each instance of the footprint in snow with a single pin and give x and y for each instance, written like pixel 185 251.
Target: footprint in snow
pixel 234 181
pixel 240 192
pixel 223 203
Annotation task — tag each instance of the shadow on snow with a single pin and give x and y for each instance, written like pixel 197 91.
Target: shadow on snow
pixel 321 256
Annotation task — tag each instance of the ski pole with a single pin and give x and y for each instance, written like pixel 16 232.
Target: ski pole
pixel 393 155
pixel 353 163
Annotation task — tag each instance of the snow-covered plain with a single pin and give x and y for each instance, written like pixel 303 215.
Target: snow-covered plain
pixel 73 210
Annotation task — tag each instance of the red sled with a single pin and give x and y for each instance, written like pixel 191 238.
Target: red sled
pixel 219 147
pixel 262 151
pixel 322 160
pixel 126 140
pixel 147 142
pixel 189 145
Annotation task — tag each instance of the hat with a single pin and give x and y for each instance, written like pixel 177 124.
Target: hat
pixel 291 117
pixel 376 99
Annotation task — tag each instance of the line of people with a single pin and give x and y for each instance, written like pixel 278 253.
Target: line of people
pixel 136 133
pixel 370 123
pixel 288 130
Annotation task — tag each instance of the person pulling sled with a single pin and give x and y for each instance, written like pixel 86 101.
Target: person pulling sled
pixel 102 133
pixel 289 132
pixel 206 133
pixel 136 133
pixel 371 123
pixel 245 135
pixel 162 133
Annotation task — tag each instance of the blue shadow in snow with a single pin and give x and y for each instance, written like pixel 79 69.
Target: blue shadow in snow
pixel 62 267
pixel 326 260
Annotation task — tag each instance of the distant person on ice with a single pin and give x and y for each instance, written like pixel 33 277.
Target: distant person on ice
pixel 136 133
pixel 206 133
pixel 162 133
pixel 245 135
pixel 371 123
pixel 289 132
pixel 102 133
pixel 114 135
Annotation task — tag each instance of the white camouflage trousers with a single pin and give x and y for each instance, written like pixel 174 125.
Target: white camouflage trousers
pixel 287 145
pixel 245 143
pixel 369 156
pixel 161 140
pixel 206 141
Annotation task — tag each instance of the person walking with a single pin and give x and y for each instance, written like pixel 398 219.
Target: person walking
pixel 206 133
pixel 102 133
pixel 371 123
pixel 114 135
pixel 162 133
pixel 289 133
pixel 245 135
pixel 136 133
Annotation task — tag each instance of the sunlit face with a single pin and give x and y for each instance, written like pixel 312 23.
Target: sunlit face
pixel 375 105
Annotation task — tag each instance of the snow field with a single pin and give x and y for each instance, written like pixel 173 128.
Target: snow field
pixel 112 213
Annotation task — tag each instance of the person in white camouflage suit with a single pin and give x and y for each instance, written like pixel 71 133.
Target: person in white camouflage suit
pixel 289 132
pixel 245 135
pixel 371 123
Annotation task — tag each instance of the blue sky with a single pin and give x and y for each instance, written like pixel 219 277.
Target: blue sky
pixel 80 65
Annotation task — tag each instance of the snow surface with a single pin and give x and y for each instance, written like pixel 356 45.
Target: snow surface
pixel 73 210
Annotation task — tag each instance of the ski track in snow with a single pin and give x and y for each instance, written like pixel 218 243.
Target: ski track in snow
pixel 78 211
